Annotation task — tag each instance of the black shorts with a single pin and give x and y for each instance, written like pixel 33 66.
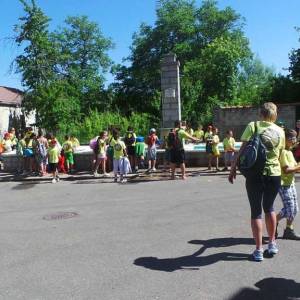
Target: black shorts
pixel 52 167
pixel 262 191
pixel 130 150
pixel 177 156
pixel 208 148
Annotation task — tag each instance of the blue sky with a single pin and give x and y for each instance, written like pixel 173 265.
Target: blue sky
pixel 269 26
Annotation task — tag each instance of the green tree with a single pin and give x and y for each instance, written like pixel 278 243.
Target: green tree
pixel 211 47
pixel 295 62
pixel 83 59
pixel 45 94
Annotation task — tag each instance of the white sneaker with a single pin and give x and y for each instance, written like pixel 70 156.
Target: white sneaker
pixel 153 169
pixel 57 179
pixel 54 180
pixel 96 174
pixel 123 180
pixel 106 175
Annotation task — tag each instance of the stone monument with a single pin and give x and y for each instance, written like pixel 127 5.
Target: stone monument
pixel 170 87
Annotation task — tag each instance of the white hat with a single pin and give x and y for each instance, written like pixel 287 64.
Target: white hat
pixel 153 130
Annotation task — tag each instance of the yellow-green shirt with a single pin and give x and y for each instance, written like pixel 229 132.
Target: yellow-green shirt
pixel 228 144
pixel 119 147
pixel 215 148
pixel 208 136
pixel 182 135
pixel 199 134
pixel 67 146
pixel 53 155
pixel 272 137
pixel 75 142
pixel 287 160
pixel 101 146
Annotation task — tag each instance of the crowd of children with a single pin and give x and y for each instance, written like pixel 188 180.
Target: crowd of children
pixel 33 150
pixel 37 154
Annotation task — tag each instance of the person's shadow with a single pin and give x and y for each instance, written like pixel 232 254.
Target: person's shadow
pixel 270 289
pixel 195 261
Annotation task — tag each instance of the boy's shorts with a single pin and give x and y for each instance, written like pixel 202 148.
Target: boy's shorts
pixel 151 154
pixel 69 157
pixel 52 167
pixel 288 195
pixel 229 156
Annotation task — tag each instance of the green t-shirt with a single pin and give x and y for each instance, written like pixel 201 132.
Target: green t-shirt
pixel 140 149
pixel 272 137
pixel 182 135
pixel 53 155
pixel 119 147
pixel 67 146
pixel 199 134
pixel 228 144
pixel 287 159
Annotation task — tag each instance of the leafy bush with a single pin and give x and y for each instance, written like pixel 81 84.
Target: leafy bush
pixel 96 122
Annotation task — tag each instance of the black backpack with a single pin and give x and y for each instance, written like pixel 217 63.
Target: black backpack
pixel 253 158
pixel 174 141
pixel 129 139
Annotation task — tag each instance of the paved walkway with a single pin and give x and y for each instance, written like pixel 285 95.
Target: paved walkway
pixel 93 239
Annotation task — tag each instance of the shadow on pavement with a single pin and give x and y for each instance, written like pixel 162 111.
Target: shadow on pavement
pixel 219 243
pixel 194 261
pixel 270 289
pixel 189 262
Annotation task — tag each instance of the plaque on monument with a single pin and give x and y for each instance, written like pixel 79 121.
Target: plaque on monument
pixel 170 93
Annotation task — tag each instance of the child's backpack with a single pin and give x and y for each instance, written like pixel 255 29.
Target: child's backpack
pixel 174 141
pixel 129 139
pixel 151 140
pixel 253 158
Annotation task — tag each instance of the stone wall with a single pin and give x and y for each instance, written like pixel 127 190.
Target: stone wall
pixel 83 160
pixel 236 118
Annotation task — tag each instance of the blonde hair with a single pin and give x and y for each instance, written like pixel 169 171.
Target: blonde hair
pixel 269 111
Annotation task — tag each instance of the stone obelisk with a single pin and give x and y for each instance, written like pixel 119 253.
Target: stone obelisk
pixel 170 87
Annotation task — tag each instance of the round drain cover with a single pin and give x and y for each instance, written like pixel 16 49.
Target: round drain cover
pixel 60 216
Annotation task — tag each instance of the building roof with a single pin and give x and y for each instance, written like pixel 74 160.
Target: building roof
pixel 10 96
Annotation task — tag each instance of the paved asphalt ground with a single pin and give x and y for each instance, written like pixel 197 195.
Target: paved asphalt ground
pixel 145 239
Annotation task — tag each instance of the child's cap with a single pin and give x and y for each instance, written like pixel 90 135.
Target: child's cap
pixel 53 142
pixel 6 135
pixel 152 130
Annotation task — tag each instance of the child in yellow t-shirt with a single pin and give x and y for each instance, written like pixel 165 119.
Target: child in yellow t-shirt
pixel 101 153
pixel 215 147
pixel 199 133
pixel 53 158
pixel 229 149
pixel 119 153
pixel 287 189
pixel 68 153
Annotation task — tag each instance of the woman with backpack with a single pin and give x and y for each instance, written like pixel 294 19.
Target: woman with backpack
pixel 262 187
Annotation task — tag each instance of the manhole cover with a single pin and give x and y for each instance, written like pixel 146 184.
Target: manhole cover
pixel 60 216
